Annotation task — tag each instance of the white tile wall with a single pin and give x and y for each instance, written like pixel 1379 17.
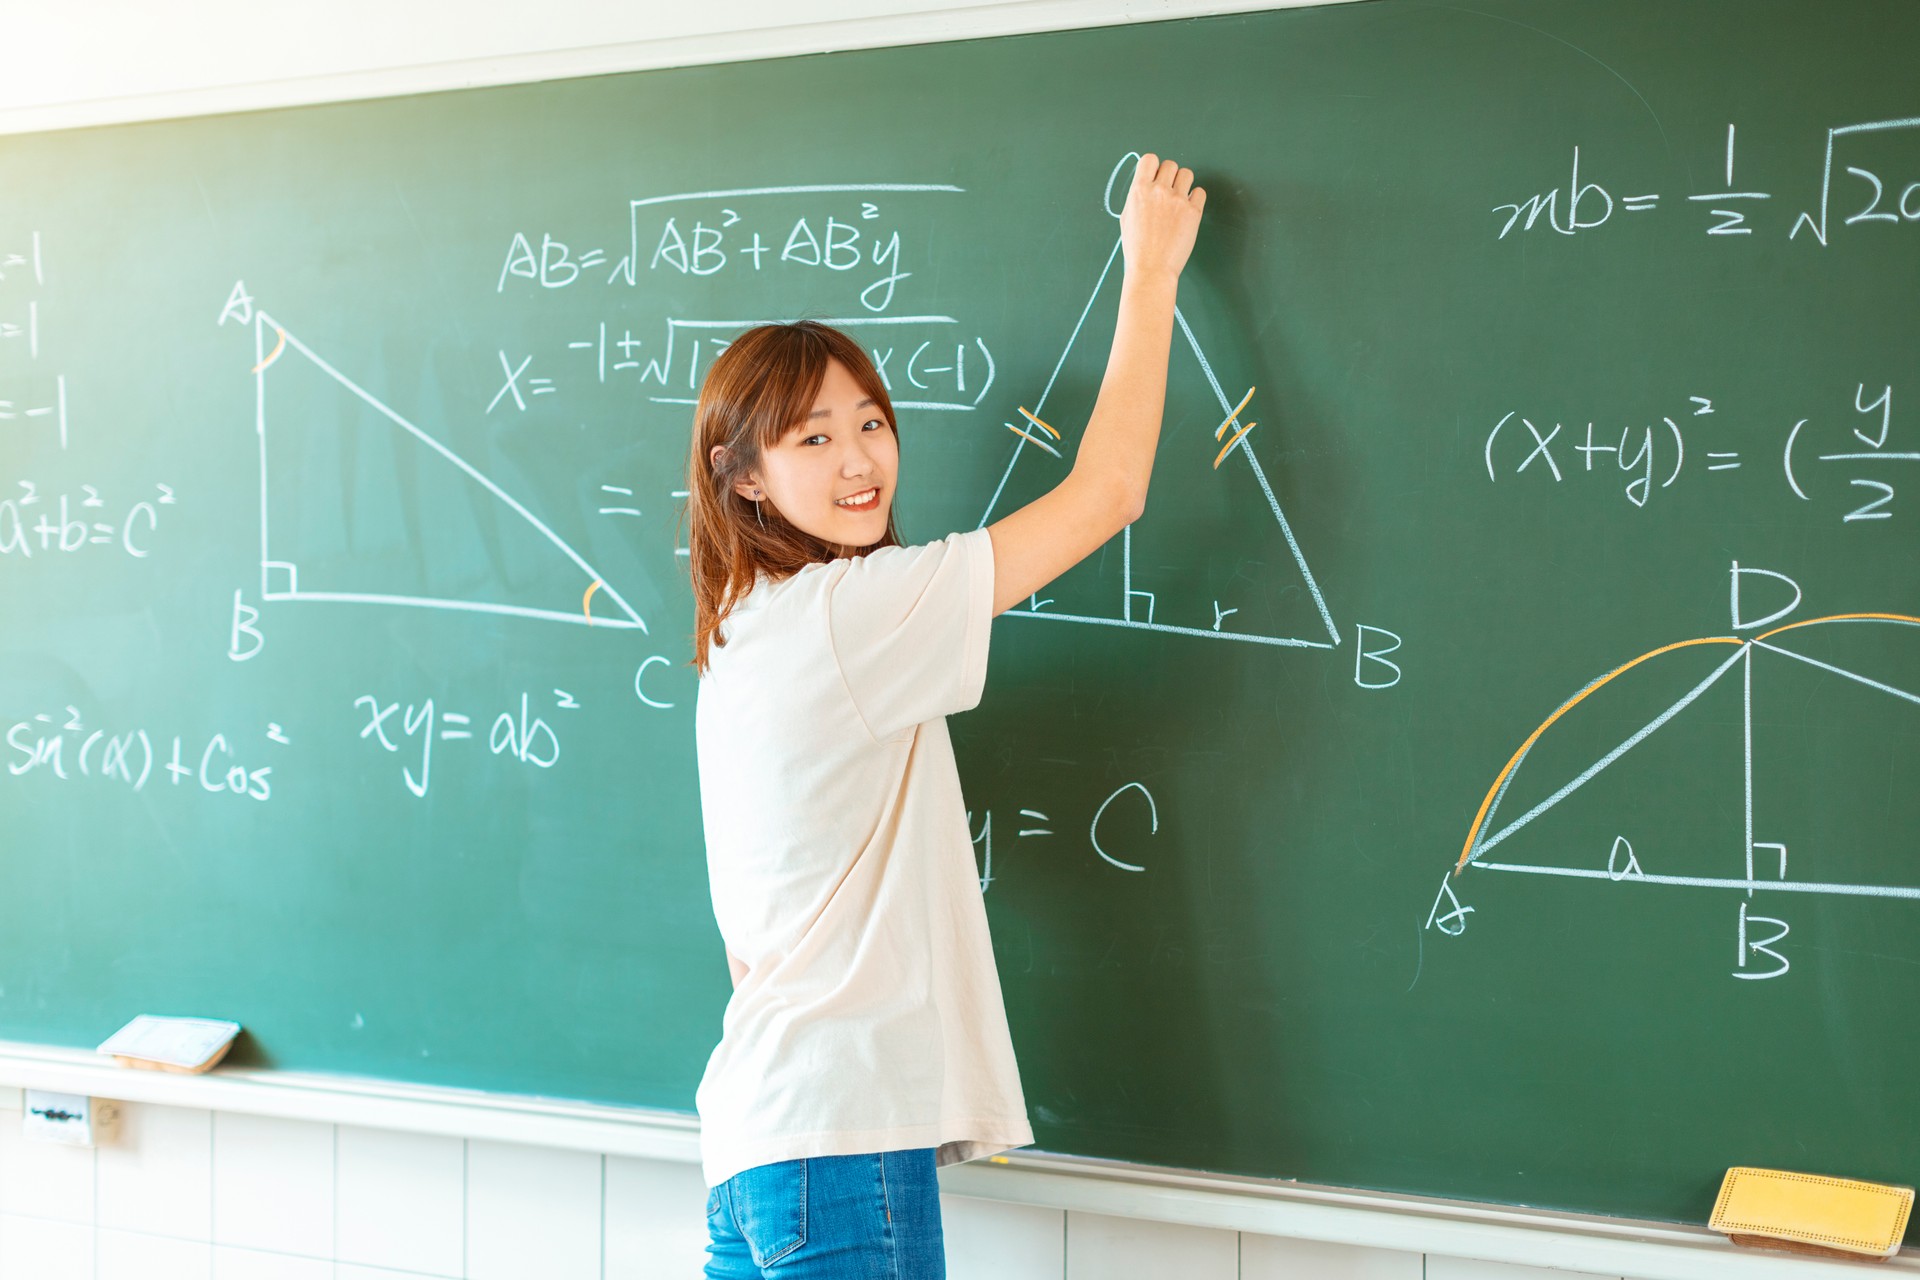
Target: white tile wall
pixel 250 1264
pixel 1103 1248
pixel 273 1184
pixel 1277 1258
pixel 136 1255
pixel 656 1220
pixel 44 1180
pixel 987 1240
pixel 347 1271
pixel 533 1211
pixel 180 1194
pixel 45 1249
pixel 400 1201
pixel 156 1174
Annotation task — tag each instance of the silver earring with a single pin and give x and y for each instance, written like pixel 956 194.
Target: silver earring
pixel 758 513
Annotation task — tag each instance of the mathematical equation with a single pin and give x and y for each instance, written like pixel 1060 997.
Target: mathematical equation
pixel 704 234
pixel 839 246
pixel 29 396
pixel 62 748
pixel 1878 183
pixel 1644 459
pixel 23 532
pixel 523 737
pixel 1134 817
pixel 921 356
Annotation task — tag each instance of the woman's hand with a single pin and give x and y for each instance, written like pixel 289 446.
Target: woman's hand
pixel 1106 490
pixel 1158 222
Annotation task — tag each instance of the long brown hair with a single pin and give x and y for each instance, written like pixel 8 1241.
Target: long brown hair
pixel 763 384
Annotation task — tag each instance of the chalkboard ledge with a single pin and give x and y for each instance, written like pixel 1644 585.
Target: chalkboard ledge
pixel 363 1100
pixel 1636 1249
pixel 1495 1233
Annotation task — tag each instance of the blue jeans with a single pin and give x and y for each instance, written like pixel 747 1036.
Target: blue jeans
pixel 864 1217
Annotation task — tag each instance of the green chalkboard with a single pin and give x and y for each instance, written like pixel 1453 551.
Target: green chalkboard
pixel 344 675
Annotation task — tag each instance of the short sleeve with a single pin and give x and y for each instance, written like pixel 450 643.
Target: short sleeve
pixel 910 627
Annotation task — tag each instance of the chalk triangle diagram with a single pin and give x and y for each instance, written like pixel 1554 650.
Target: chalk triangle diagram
pixel 1716 749
pixel 1646 753
pixel 360 506
pixel 1214 556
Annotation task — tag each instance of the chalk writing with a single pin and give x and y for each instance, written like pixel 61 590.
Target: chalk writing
pixel 1128 825
pixel 1762 603
pixel 1136 606
pixel 35 523
pixel 63 747
pixel 819 231
pixel 1646 457
pixel 519 735
pixel 279 565
pixel 924 361
pixel 1873 186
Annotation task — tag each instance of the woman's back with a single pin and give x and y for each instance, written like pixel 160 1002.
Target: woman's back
pixel 842 870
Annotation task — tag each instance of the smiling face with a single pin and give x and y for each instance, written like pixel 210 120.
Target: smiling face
pixel 832 474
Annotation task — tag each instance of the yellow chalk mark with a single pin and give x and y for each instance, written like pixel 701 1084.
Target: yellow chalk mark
pixel 1032 439
pixel 586 605
pixel 1036 422
pixel 1839 617
pixel 1222 428
pixel 1238 437
pixel 1466 850
pixel 1487 803
pixel 275 354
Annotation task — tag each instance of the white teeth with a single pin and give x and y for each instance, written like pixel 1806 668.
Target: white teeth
pixel 858 499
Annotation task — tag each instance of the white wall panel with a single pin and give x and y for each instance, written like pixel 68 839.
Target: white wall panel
pixel 273 1184
pixel 1278 1258
pixel 156 1174
pixel 1104 1248
pixel 532 1211
pixel 988 1240
pixel 401 1200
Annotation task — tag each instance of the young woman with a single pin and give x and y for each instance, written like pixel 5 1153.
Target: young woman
pixel 865 1042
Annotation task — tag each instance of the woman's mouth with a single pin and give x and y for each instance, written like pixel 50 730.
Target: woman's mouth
pixel 865 500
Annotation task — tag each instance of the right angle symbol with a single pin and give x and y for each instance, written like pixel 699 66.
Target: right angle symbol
pixel 1230 450
pixel 1761 602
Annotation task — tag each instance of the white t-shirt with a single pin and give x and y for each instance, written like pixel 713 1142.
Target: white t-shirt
pixel 842 869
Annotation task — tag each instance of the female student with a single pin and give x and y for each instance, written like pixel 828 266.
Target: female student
pixel 865 1042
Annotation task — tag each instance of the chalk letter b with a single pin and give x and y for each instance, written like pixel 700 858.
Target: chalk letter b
pixel 1363 655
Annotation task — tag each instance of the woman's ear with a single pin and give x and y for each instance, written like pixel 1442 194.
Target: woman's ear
pixel 748 487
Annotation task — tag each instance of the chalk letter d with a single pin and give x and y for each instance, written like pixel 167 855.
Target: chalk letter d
pixel 1740 624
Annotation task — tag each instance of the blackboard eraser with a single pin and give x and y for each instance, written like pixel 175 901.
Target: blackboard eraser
pixel 154 1043
pixel 1811 1213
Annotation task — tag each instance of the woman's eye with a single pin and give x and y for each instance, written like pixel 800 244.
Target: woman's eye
pixel 874 424
pixel 811 439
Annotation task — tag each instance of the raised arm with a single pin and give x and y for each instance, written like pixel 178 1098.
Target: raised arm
pixel 1106 490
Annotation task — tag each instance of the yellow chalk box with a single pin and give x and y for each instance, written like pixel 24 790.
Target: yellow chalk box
pixel 1808 1213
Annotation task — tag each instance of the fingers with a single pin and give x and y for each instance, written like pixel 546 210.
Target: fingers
pixel 1166 174
pixel 1162 211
